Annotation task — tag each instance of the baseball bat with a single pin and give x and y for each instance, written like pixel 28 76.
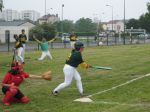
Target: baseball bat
pixel 101 67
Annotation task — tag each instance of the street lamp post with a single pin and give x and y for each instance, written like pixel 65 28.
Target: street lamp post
pixel 112 16
pixel 62 26
pixel 124 18
pixel 45 7
pixel 62 19
pixel 124 24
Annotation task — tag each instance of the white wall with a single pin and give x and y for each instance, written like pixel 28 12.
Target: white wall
pixel 13 30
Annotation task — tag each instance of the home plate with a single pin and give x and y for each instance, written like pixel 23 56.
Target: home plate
pixel 85 99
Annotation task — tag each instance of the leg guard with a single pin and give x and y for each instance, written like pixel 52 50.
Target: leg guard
pixel 24 99
pixel 9 95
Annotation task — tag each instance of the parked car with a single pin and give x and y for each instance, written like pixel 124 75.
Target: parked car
pixel 147 36
pixel 65 38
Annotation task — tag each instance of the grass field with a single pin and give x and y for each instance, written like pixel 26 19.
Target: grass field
pixel 128 62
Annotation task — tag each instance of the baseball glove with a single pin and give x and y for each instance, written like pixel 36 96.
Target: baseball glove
pixel 47 75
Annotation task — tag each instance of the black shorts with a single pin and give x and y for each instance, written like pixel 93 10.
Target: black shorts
pixel 18 95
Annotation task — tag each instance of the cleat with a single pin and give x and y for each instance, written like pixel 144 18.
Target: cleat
pixel 7 104
pixel 55 93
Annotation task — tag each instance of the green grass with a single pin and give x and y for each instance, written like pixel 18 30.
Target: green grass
pixel 127 62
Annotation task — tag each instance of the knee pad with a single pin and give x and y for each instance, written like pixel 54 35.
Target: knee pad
pixel 25 99
pixel 13 90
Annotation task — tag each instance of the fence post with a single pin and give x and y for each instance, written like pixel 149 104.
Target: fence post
pixel 87 41
pixel 51 44
pixel 64 44
pixel 38 46
pixel 115 39
pixel 124 41
pixel 8 42
pixel 107 39
pixel 131 39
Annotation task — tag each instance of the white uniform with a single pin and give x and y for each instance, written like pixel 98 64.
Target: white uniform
pixel 45 54
pixel 24 48
pixel 70 73
pixel 20 54
pixel 45 50
pixel 72 44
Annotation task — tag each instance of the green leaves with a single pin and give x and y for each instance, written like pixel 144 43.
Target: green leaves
pixel 47 31
pixel 1 5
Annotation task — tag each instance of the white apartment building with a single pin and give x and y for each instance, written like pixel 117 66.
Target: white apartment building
pixel 30 14
pixel 10 15
pixel 118 25
pixel 49 19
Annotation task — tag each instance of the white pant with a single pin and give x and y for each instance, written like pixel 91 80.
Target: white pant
pixel 72 44
pixel 70 73
pixel 44 54
pixel 19 54
pixel 23 52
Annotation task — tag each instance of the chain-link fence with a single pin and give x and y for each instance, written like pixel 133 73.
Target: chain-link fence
pixel 87 40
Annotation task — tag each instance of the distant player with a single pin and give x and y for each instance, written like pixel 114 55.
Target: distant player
pixel 44 47
pixel 70 71
pixel 73 39
pixel 23 39
pixel 18 49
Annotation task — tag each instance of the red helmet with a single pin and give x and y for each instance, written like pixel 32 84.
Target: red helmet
pixel 16 66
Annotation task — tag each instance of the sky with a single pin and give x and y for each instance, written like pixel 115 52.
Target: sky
pixel 76 9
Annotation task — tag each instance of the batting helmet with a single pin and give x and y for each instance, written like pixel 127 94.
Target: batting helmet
pixel 78 45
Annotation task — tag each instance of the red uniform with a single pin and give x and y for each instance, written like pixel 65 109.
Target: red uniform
pixel 16 79
pixel 13 94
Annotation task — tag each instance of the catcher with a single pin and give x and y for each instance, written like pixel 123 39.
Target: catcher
pixel 70 71
pixel 11 82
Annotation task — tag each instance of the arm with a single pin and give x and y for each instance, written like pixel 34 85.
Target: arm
pixel 85 65
pixel 35 76
pixel 36 39
pixel 5 81
pixel 52 40
pixel 25 37
pixel 8 85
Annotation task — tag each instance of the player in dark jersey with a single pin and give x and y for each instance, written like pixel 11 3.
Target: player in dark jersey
pixel 19 49
pixel 73 39
pixel 23 39
pixel 70 71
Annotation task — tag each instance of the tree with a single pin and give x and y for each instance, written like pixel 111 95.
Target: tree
pixel 145 19
pixel 143 22
pixel 133 23
pixel 1 5
pixel 48 31
pixel 68 26
pixel 85 25
pixel 148 7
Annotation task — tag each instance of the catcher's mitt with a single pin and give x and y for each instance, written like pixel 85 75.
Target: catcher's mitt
pixel 47 75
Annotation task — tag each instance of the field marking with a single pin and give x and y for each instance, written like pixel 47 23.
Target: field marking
pixel 128 82
pixel 123 104
pixel 104 91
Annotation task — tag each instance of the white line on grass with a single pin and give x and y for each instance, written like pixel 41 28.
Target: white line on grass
pixel 128 82
pixel 118 103
pixel 104 91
